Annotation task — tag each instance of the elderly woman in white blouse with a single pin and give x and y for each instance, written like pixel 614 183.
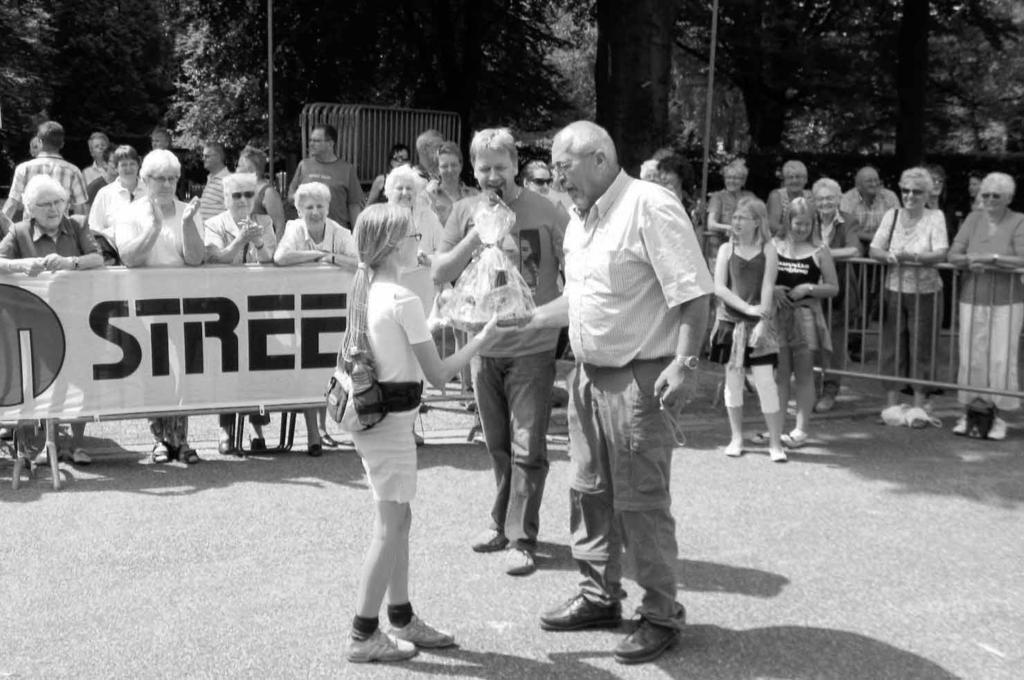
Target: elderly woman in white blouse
pixel 158 230
pixel 910 240
pixel 314 237
pixel 405 187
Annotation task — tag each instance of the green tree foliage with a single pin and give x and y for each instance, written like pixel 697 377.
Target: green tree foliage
pixel 112 70
pixel 25 75
pixel 821 74
pixel 485 59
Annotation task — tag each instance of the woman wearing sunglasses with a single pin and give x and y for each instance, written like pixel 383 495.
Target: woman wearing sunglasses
pixel 910 240
pixel 237 237
pixel 990 244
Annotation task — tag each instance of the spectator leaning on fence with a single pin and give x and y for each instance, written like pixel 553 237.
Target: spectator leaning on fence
pixel 49 240
pixel 158 230
pixel 268 200
pixel 236 237
pixel 990 244
pixel 910 240
pixel 839 233
pixel 315 237
pixel 48 162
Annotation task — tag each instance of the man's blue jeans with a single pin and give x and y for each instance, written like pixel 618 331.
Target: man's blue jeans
pixel 513 397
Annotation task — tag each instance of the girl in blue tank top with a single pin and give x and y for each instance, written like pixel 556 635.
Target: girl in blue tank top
pixel 744 337
pixel 806 274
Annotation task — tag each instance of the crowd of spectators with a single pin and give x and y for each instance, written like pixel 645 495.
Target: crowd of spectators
pixel 124 209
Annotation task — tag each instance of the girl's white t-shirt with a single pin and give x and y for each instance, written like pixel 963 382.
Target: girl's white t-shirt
pixel 395 322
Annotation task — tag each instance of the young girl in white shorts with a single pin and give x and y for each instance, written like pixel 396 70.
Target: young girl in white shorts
pixel 387 324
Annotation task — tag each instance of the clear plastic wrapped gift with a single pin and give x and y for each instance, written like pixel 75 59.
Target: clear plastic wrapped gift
pixel 491 284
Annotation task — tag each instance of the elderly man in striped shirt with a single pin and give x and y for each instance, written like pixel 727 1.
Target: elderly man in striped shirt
pixel 636 302
pixel 211 203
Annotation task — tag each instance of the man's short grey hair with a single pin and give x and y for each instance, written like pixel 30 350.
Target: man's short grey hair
pixel 238 181
pixel 999 183
pixel 826 184
pixel 494 139
pixel 39 184
pixel 160 161
pixel 583 137
pixel 400 173
pixel 312 190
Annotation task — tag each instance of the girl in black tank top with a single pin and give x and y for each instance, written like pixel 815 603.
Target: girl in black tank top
pixel 806 274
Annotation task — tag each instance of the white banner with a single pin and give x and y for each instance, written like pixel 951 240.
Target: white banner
pixel 120 342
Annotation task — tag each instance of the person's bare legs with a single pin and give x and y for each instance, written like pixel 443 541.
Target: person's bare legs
pixel 386 564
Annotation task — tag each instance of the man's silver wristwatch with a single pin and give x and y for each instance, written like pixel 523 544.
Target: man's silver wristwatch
pixel 685 361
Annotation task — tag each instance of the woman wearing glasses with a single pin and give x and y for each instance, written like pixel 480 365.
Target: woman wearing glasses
pixel 399 156
pixel 315 237
pixel 158 230
pixel 990 244
pixel 909 240
pixel 237 237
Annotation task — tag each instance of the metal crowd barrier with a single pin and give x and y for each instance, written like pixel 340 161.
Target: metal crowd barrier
pixel 366 133
pixel 864 321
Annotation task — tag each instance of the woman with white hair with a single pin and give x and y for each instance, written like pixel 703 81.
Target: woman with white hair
pixel 315 237
pixel 794 185
pixel 47 240
pixel 990 244
pixel 158 230
pixel 910 239
pixel 722 204
pixel 237 236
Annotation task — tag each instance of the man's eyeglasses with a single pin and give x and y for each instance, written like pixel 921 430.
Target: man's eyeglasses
pixel 539 180
pixel 399 159
pixel 996 196
pixel 562 166
pixel 235 195
pixel 912 192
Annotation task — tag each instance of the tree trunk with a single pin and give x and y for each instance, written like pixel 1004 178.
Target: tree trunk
pixel 633 74
pixel 911 79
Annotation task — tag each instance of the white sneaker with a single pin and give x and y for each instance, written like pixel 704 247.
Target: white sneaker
pixel 998 430
pixel 795 439
pixel 961 426
pixel 422 634
pixel 778 455
pixel 379 647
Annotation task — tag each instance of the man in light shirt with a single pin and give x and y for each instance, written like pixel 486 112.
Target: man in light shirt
pixel 636 301
pixel 867 202
pixel 211 203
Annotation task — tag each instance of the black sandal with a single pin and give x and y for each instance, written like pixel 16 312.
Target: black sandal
pixel 188 455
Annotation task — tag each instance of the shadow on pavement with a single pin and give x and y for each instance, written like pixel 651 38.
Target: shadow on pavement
pixel 798 652
pixel 711 653
pixel 927 461
pixel 711 577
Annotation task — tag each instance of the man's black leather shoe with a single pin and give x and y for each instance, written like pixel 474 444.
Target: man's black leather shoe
pixel 578 613
pixel 646 643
